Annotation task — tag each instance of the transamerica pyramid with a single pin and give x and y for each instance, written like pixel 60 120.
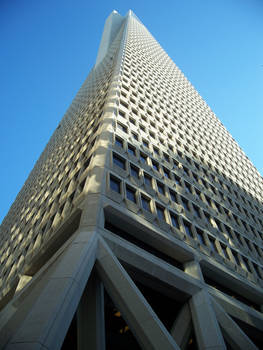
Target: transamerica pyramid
pixel 140 226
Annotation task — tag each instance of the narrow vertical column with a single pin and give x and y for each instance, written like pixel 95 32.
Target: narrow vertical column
pixel 90 316
pixel 207 330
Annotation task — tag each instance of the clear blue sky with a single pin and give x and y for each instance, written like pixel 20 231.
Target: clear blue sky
pixel 48 47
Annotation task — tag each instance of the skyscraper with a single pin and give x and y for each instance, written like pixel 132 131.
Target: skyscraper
pixel 140 225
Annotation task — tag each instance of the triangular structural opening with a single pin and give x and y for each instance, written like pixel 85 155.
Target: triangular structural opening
pixel 118 334
pixel 253 333
pixel 71 339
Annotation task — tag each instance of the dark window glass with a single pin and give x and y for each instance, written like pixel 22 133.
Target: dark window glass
pixel 146 203
pixel 174 220
pixel 155 165
pixel 166 173
pixel 148 180
pixel 200 236
pixel 120 162
pixel 156 150
pixel 166 157
pixel 235 256
pixel 212 244
pixel 130 193
pixel 145 143
pixel 143 158
pixel 160 212
pixel 134 171
pixel 224 251
pixel 118 142
pixel 185 204
pixel 160 187
pixel 188 187
pixel 115 184
pixel 177 180
pixel 173 196
pixel 131 150
pixel 187 228
pixel 196 210
pixel 135 136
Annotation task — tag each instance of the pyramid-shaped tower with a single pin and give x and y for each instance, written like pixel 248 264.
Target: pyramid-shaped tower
pixel 140 226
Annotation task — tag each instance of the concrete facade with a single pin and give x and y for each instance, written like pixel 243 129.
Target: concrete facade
pixel 140 225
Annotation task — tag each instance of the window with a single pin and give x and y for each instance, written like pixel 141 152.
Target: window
pixel 212 244
pixel 224 251
pixel 118 142
pixel 131 150
pixel 131 194
pixel 143 158
pixel 115 184
pixel 160 212
pixel 185 204
pixel 148 180
pixel 117 160
pixel 160 188
pixel 146 203
pixel 156 151
pixel 200 236
pixel 155 165
pixel 135 136
pixel 235 256
pixel 145 143
pixel 177 180
pixel 122 127
pixel 166 157
pixel 173 196
pixel 188 187
pixel 134 171
pixel 166 173
pixel 174 220
pixel 188 230
pixel 196 210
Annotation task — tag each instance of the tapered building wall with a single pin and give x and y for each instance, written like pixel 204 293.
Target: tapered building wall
pixel 142 176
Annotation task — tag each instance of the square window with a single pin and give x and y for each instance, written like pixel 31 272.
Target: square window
pixel 188 230
pixel 118 142
pixel 160 188
pixel 185 203
pixel 122 127
pixel 148 180
pixel 155 165
pixel 160 212
pixel 117 160
pixel 131 150
pixel 146 203
pixel 166 173
pixel 134 171
pixel 200 236
pixel 145 143
pixel 131 194
pixel 156 151
pixel 174 220
pixel 115 184
pixel 143 158
pixel 135 136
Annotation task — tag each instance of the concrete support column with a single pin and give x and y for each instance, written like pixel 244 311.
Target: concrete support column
pixel 90 316
pixel 193 269
pixel 207 330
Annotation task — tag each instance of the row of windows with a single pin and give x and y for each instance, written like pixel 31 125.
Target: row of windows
pixel 190 189
pixel 225 188
pixel 178 222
